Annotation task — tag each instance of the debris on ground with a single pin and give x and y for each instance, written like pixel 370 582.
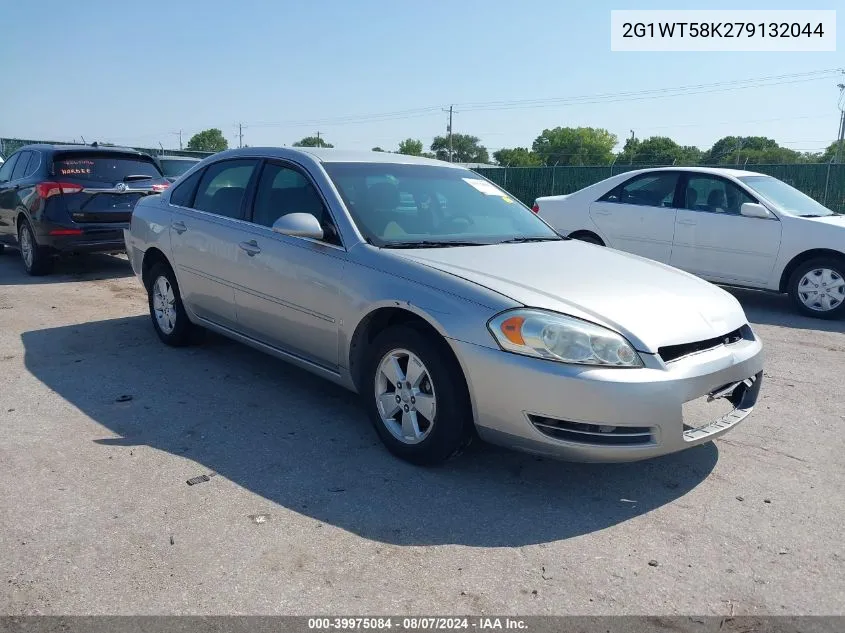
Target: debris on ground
pixel 653 563
pixel 259 518
pixel 124 398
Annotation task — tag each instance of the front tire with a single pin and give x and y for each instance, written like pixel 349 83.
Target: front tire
pixel 817 287
pixel 167 312
pixel 416 396
pixel 37 260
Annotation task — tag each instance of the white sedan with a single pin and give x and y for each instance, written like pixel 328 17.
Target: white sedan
pixel 728 226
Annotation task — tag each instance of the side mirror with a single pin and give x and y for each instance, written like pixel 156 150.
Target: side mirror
pixel 754 210
pixel 299 225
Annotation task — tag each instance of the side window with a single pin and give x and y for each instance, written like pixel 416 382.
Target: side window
pixel 20 167
pixel 8 167
pixel 715 195
pixel 184 192
pixel 223 186
pixel 650 190
pixel 282 190
pixel 33 165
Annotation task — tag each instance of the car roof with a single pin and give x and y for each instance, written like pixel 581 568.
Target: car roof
pixel 177 157
pixel 325 155
pixel 47 147
pixel 717 171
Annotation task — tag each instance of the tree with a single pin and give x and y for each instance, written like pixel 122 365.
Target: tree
pixel 211 140
pixel 575 146
pixel 830 153
pixel 517 157
pixel 411 147
pixel 312 141
pixel 658 150
pixel 465 149
pixel 377 149
pixel 731 150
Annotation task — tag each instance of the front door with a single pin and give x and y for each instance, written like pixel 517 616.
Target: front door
pixel 713 240
pixel 288 290
pixel 638 216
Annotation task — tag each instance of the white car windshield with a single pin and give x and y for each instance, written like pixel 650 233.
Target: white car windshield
pixel 786 198
pixel 407 206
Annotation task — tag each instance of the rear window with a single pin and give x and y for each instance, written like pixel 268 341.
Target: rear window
pixel 174 167
pixel 109 167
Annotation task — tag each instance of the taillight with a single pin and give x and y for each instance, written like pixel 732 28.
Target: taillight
pixel 160 187
pixel 536 208
pixel 49 189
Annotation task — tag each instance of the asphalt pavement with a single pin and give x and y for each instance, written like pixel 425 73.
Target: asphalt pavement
pixel 301 510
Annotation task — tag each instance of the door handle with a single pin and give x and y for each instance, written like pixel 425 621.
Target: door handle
pixel 687 222
pixel 179 227
pixel 250 247
pixel 602 212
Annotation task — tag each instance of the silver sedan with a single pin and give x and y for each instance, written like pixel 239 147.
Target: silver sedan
pixel 446 304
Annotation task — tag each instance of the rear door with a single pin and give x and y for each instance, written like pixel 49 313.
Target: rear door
pixel 638 216
pixel 103 186
pixel 205 231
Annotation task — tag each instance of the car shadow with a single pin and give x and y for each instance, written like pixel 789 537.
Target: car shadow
pixel 83 267
pixel 769 308
pixel 305 444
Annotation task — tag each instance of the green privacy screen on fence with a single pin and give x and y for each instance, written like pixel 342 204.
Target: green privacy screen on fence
pixel 823 182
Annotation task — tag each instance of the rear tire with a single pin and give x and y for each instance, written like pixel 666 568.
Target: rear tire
pixel 817 287
pixel 167 312
pixel 430 421
pixel 37 260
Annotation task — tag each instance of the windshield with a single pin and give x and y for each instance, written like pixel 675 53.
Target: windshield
pixel 175 167
pixel 784 197
pixel 397 205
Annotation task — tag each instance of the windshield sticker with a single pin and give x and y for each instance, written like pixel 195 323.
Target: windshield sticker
pixel 487 188
pixel 507 199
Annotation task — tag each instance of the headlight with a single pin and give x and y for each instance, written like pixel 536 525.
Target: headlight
pixel 561 338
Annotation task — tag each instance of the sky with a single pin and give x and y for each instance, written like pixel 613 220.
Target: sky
pixel 368 73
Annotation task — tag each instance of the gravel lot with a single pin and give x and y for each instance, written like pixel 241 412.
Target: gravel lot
pixel 309 514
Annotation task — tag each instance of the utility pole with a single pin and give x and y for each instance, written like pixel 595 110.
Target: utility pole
pixel 179 133
pixel 240 134
pixel 738 149
pixel 319 142
pixel 449 130
pixel 841 122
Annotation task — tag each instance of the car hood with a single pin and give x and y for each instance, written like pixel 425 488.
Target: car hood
pixel 650 303
pixel 830 220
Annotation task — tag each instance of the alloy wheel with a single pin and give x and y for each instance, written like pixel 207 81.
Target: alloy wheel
pixel 27 247
pixel 164 305
pixel 405 396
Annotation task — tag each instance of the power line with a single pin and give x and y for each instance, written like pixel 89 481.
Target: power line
pixel 719 86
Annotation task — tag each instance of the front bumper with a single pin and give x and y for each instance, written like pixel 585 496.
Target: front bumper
pixel 607 414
